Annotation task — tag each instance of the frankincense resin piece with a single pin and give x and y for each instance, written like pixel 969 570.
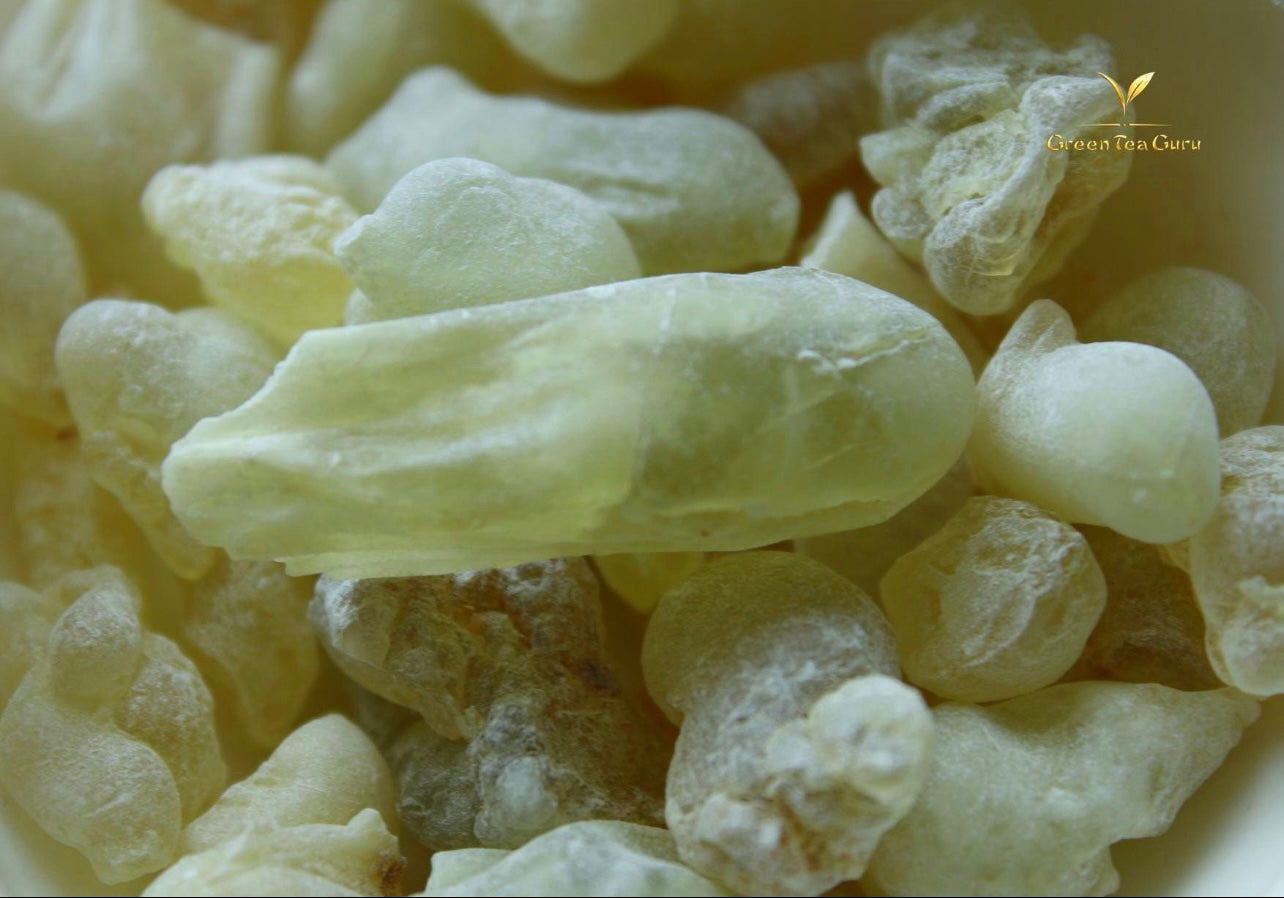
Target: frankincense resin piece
pixel 799 747
pixel 690 412
pixel 1026 796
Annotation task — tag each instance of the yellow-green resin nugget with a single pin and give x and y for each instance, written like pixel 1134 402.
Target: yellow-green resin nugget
pixel 688 412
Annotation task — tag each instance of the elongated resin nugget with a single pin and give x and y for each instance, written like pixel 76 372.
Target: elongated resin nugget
pixel 509 672
pixel 137 378
pixel 799 747
pixel 691 412
pixel 1118 434
pixel 973 102
pixel 1026 797
pixel 597 857
pixel 460 232
pixel 694 191
pixel 1237 564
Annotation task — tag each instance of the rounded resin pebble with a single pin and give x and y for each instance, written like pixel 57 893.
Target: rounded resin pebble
pixel 1117 434
pixel 461 232
pixel 109 742
pixel 1151 630
pixel 694 191
pixel 972 102
pixel 247 624
pixel 509 672
pixel 26 616
pixel 41 283
pixel 998 603
pixel 579 40
pixel 597 857
pixel 1211 323
pixel 96 95
pixel 863 555
pixel 798 746
pixel 325 772
pixel 1237 564
pixel 568 425
pixel 1027 796
pixel 318 859
pixel 137 378
pixel 640 578
pixel 257 232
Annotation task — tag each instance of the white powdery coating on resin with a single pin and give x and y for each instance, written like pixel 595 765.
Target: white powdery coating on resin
pixel 798 746
pixel 1026 797
pixel 1118 434
pixel 693 191
pixel 567 425
pixel 459 232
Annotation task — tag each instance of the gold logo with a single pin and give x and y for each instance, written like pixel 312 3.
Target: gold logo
pixel 1122 141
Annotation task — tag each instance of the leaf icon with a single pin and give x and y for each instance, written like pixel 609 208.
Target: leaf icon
pixel 1138 85
pixel 1123 104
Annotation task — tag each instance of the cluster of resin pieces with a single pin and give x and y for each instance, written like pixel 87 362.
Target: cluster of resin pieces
pixel 663 549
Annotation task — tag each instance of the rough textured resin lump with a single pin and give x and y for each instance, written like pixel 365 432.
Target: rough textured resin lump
pixel 460 232
pixel 109 741
pixel 1027 796
pixel 970 98
pixel 597 857
pixel 1117 434
pixel 693 191
pixel 137 377
pixel 509 672
pixel 257 232
pixel 999 602
pixel 799 747
pixel 573 424
pixel 1211 323
pixel 1237 564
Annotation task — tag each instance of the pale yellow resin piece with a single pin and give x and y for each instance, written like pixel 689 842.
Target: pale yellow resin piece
pixel 1118 434
pixel 1237 564
pixel 997 603
pixel 460 232
pixel 109 741
pixel 691 412
pixel 1026 797
pixel 641 578
pixel 799 747
pixel 41 283
pixel 26 616
pixel 694 191
pixel 258 234
pixel 137 378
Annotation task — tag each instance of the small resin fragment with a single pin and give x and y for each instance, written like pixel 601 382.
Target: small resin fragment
pixel 972 103
pixel 847 243
pixel 460 232
pixel 321 859
pixel 579 40
pixel 694 191
pixel 597 857
pixel 137 378
pixel 998 603
pixel 257 232
pixel 640 578
pixel 568 425
pixel 325 772
pixel 508 670
pixel 1237 564
pixel 96 95
pixel 798 747
pixel 247 623
pixel 1117 434
pixel 26 616
pixel 1151 630
pixel 109 741
pixel 41 283
pixel 863 555
pixel 1027 796
pixel 1211 323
